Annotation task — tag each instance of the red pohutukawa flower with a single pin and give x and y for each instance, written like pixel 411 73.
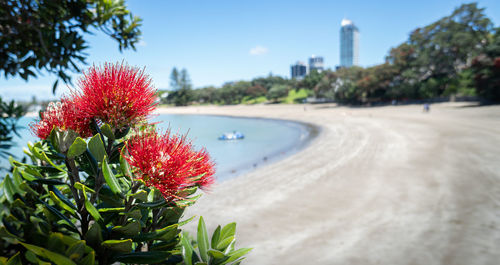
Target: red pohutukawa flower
pixel 64 116
pixel 168 162
pixel 115 94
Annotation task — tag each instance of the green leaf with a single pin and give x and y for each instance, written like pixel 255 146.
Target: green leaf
pixel 130 229
pixel 215 237
pixel 157 234
pixel 96 147
pixel 202 239
pixel 124 245
pixel 9 189
pixel 228 231
pixel 60 216
pixel 107 131
pixel 15 260
pixel 224 243
pixel 201 263
pixel 41 154
pixel 93 211
pixel 216 254
pixel 83 188
pixel 150 257
pixel 78 147
pixel 61 196
pixel 59 203
pixel 112 210
pixel 234 255
pixel 52 256
pixel 125 167
pixel 54 137
pixel 110 177
pixel 153 205
pixel 94 235
pixel 141 195
pixel 186 250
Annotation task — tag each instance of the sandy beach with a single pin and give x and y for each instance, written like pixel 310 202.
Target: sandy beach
pixel 380 185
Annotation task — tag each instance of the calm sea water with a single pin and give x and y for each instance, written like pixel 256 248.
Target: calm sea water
pixel 265 140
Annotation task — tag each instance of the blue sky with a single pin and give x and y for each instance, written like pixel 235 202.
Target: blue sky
pixel 219 41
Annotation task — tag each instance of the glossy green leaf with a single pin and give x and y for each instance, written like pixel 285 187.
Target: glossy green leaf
pixel 107 131
pixel 216 254
pixel 93 211
pixel 130 229
pixel 201 263
pixel 125 167
pixel 60 216
pixel 78 147
pixel 96 147
pixel 150 257
pixel 215 237
pixel 43 156
pixel 50 181
pixel 186 250
pixel 202 239
pixel 59 203
pixel 157 234
pixel 9 189
pixel 111 210
pixel 61 196
pixel 153 205
pixel 110 177
pixel 234 255
pixel 141 195
pixel 228 231
pixel 124 245
pixel 83 188
pixel 52 256
pixel 224 243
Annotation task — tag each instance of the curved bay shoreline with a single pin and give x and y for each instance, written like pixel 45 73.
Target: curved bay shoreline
pixel 383 185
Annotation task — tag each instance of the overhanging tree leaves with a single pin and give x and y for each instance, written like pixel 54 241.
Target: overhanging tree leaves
pixel 48 35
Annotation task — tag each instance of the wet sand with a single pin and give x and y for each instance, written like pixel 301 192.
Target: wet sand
pixel 383 185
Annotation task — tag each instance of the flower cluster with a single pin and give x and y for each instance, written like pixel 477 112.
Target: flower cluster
pixel 64 116
pixel 119 95
pixel 168 162
pixel 116 94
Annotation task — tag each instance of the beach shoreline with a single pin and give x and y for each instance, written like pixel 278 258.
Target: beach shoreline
pixel 384 185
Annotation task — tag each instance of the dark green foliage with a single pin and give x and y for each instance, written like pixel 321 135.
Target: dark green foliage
pixel 49 34
pixel 486 69
pixel 276 92
pixel 73 204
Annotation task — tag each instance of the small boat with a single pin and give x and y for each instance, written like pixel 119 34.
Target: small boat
pixel 232 136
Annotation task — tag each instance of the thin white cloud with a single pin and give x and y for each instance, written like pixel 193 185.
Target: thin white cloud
pixel 259 50
pixel 142 43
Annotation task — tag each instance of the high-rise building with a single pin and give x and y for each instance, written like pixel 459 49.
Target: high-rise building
pixel 298 70
pixel 349 44
pixel 316 63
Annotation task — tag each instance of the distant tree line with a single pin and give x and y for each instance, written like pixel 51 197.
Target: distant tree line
pixel 457 55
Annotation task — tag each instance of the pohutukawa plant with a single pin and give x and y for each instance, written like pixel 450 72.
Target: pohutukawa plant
pixel 96 192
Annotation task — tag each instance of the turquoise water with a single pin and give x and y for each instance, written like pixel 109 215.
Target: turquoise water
pixel 265 140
